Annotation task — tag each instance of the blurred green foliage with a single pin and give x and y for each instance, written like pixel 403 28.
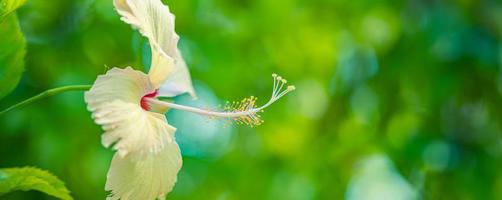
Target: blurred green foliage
pixel 399 98
pixel 12 47
pixel 30 178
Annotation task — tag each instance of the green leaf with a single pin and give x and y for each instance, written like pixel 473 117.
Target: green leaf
pixel 12 49
pixel 9 6
pixel 29 178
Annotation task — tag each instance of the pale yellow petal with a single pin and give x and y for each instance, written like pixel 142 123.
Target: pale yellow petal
pixel 146 179
pixel 114 101
pixel 177 83
pixel 154 20
pixel 127 85
pixel 161 69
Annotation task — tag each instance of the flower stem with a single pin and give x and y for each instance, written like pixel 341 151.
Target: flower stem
pixel 45 94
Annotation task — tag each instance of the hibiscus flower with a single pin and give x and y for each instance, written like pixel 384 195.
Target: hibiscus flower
pixel 124 103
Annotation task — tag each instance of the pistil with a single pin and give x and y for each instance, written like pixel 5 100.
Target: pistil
pixel 243 112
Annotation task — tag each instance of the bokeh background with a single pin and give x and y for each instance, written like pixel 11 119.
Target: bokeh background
pixel 394 99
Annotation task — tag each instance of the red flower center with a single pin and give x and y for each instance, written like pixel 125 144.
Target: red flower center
pixel 144 103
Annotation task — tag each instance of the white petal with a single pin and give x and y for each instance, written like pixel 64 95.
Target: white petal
pixel 149 178
pixel 156 22
pixel 114 101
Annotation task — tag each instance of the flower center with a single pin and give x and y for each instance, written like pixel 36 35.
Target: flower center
pixel 144 103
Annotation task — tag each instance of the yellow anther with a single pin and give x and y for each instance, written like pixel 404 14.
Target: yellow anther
pixel 247 104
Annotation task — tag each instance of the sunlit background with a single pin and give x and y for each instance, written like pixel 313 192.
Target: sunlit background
pixel 394 99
